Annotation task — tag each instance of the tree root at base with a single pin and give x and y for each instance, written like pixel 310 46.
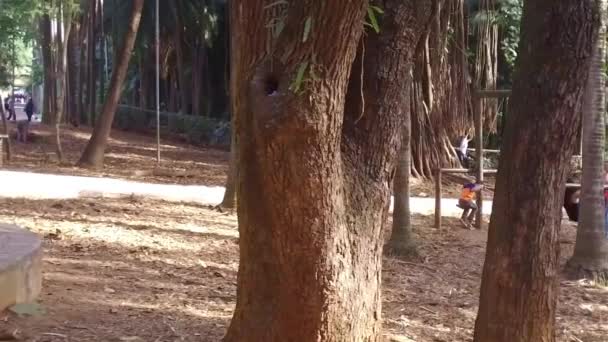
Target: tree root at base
pixel 577 271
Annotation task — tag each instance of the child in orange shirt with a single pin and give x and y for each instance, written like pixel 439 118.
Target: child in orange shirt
pixel 467 203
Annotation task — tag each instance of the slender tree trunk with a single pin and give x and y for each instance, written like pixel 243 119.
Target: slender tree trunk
pixel 196 79
pixel 102 46
pixel 64 24
pixel 229 200
pixel 329 165
pixel 92 63
pixel 6 132
pixel 74 73
pixel 49 75
pixel 179 55
pixel 84 70
pixel 206 81
pixel 590 257
pixel 521 272
pixel 172 91
pixel 93 155
pixel 143 81
pixel 401 241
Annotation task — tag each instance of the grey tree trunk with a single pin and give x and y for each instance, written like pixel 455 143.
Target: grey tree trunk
pixel 402 242
pixel 590 257
pixel 65 22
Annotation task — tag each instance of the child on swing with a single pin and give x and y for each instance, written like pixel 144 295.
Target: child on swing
pixel 467 203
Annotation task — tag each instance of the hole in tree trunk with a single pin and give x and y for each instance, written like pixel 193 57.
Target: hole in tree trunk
pixel 271 85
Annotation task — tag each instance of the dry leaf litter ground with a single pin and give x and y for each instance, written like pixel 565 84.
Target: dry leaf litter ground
pixel 134 269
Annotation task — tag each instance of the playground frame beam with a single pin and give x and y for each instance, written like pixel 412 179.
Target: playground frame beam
pixel 438 188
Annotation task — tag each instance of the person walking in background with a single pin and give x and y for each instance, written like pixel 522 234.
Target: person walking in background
pixel 11 105
pixel 7 108
pixel 29 109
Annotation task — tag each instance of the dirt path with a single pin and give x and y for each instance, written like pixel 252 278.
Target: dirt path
pixel 16 184
pixel 133 269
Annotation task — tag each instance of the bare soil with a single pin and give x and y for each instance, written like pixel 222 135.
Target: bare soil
pixel 142 270
pixel 129 156
pixel 133 269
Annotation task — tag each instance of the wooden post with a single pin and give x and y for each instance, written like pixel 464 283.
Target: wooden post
pixel 438 199
pixel 479 150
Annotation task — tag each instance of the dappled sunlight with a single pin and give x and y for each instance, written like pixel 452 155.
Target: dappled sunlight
pixel 133 261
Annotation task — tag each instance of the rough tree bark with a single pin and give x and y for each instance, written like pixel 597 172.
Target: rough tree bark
pixel 324 168
pixel 440 93
pixel 590 259
pixel 93 155
pixel 521 271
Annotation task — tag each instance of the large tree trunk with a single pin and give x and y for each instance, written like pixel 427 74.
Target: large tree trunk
pixel 486 61
pixel 590 257
pixel 93 155
pixel 325 168
pixel 440 94
pixel 521 271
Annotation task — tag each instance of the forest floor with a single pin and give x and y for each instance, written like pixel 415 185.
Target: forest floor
pixel 142 270
pixel 135 269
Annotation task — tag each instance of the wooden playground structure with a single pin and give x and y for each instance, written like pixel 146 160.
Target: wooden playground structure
pixel 479 171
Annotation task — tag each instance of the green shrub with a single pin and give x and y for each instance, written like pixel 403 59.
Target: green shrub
pixel 197 130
